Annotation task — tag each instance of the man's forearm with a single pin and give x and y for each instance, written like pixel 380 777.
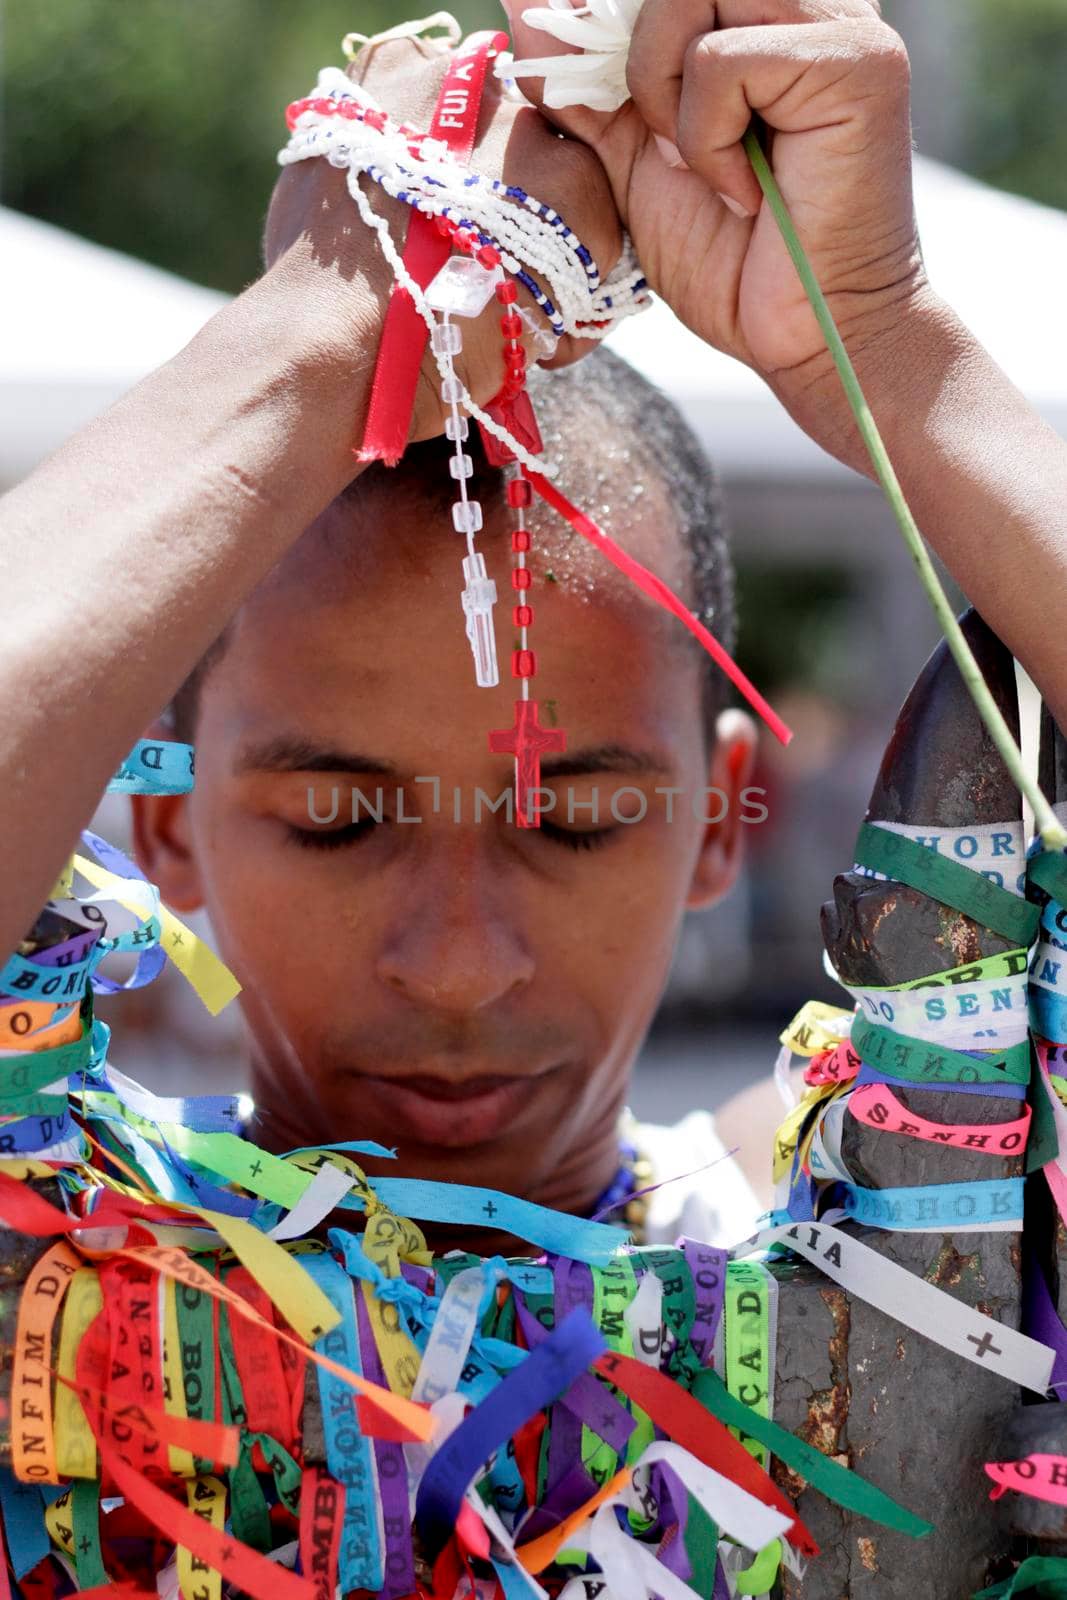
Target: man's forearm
pixel 985 477
pixel 125 554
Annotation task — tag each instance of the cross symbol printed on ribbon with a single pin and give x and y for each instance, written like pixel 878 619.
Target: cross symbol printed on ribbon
pixel 984 1345
pixel 527 741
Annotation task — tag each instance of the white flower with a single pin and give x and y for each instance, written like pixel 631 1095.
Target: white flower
pixel 597 77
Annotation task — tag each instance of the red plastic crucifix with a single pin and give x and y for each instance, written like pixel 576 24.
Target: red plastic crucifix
pixel 527 741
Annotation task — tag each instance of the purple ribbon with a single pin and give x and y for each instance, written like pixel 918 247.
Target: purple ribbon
pixel 722 1588
pixel 528 1388
pixel 67 954
pixel 573 1289
pixel 1042 1322
pixel 673 1499
pixel 1005 1091
pixel 707 1266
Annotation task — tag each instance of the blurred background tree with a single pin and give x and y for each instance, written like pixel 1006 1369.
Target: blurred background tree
pixel 989 79
pixel 150 125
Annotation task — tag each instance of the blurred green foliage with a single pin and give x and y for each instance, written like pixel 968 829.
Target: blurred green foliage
pixel 1017 100
pixel 151 125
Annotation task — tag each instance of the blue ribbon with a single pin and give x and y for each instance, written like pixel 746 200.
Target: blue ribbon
pixel 1003 1091
pixel 24 1524
pixel 592 1242
pixel 29 980
pixel 935 1205
pixel 155 766
pixel 35 1133
pixel 348 1451
pixel 546 1373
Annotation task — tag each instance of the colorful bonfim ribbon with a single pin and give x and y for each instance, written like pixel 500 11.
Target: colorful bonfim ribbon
pixel 208 1395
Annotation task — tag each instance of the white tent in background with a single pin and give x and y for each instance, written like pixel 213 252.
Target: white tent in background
pixel 1000 261
pixel 83 323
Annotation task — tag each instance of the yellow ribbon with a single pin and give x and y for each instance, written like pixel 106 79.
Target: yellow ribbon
pixel 198 964
pixel 196 1580
pixel 817 1026
pixel 75 1444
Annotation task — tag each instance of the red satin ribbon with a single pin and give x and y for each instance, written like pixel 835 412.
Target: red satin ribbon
pixel 657 590
pixel 404 336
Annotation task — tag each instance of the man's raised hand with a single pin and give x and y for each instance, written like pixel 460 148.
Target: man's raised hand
pixel 830 82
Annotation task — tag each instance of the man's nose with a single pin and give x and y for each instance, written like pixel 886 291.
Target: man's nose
pixel 456 942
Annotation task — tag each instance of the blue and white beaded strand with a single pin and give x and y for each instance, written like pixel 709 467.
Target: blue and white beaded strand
pixel 534 241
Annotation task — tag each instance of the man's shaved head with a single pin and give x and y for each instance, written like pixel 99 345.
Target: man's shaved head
pixel 626 456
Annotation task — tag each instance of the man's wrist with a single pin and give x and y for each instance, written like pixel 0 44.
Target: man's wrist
pixel 324 332
pixel 902 359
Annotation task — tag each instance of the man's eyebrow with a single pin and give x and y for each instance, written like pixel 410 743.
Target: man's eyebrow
pixel 286 754
pixel 605 758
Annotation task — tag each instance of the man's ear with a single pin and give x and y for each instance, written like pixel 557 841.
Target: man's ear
pixel 733 803
pixel 162 841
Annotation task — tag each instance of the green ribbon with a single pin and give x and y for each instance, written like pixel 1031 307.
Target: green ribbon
pixel 840 1484
pixel 1049 871
pixel 614 1287
pixel 39 1105
pixel 1046 1576
pixel 679 1300
pixel 1043 1144
pixel 196 1354
pixel 249 1513
pixel 25 1074
pixel 899 1055
pixel 287 1475
pixel 758 1578
pixel 746 1346
pixel 701 1546
pixel 954 885
pixel 85 1525
pixel 1006 964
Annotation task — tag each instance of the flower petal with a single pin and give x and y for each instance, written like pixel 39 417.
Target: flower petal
pixel 595 98
pixel 586 33
pixel 584 69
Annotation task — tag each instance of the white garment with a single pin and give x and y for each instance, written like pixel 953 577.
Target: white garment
pixel 716 1205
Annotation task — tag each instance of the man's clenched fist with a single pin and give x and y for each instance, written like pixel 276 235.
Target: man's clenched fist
pixel 829 81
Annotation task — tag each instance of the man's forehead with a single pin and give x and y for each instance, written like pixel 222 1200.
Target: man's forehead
pixel 363 653
pixel 392 533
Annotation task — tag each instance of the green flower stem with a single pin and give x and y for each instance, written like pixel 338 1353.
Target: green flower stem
pixel 1053 835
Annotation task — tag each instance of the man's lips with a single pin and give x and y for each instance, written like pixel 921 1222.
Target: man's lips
pixel 431 1109
pixel 451 1089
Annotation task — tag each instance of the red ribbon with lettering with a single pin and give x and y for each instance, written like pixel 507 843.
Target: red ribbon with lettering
pixel 135 1361
pixel 259 1367
pixel 404 336
pixel 322 1515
